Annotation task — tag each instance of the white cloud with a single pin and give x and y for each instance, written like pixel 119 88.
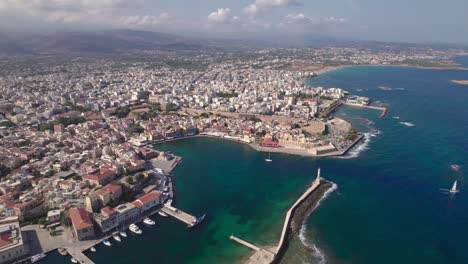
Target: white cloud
pixel 264 5
pixel 69 11
pixel 221 16
pixel 144 21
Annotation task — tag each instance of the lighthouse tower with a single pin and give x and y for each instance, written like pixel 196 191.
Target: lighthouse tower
pixel 317 180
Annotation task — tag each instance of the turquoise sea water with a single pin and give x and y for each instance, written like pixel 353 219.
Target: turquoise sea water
pixel 388 207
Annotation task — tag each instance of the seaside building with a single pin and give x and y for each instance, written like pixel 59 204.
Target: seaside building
pixel 148 201
pixel 82 225
pixel 11 242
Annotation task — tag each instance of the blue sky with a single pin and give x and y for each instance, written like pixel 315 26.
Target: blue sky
pixel 396 20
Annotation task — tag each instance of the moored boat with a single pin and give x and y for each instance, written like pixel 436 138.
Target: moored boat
pixel 117 238
pixel 107 242
pixel 135 229
pixel 148 221
pixel 123 234
pixel 74 260
pixel 161 213
pixel 37 257
pixel 93 249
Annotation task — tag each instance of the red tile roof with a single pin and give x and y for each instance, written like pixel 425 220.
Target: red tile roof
pixel 147 198
pixel 80 218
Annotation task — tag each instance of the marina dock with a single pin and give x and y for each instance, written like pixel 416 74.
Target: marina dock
pixel 182 216
pixel 380 108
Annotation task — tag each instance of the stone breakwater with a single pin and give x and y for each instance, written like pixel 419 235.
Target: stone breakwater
pixel 301 213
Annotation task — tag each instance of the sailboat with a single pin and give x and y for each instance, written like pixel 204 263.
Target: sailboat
pixel 269 157
pixel 454 188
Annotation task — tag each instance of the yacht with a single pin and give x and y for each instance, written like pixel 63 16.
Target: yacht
pixel 454 188
pixel 37 257
pixel 117 238
pixel 161 213
pixel 123 234
pixel 269 157
pixel 135 229
pixel 107 242
pixel 148 221
pixel 93 249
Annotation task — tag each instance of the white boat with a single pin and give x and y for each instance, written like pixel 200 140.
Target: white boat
pixel 161 213
pixel 107 242
pixel 148 221
pixel 123 234
pixel 269 157
pixel 169 202
pixel 37 257
pixel 93 249
pixel 74 260
pixel 454 188
pixel 135 229
pixel 117 238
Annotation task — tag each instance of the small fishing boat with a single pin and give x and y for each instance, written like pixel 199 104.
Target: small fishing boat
pixel 37 257
pixel 161 213
pixel 123 234
pixel 117 238
pixel 107 242
pixel 93 249
pixel 135 229
pixel 74 260
pixel 269 157
pixel 148 221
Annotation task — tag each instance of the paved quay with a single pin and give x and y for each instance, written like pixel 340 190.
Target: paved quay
pixel 179 215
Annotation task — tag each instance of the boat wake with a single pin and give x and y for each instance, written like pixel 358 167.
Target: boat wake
pixel 317 254
pixel 355 151
pixel 396 117
pixel 408 124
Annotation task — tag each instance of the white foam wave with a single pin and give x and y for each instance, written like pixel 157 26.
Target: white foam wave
pixel 407 124
pixel 317 253
pixel 355 151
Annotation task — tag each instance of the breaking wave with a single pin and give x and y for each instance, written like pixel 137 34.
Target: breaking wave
pixel 355 151
pixel 407 124
pixel 318 255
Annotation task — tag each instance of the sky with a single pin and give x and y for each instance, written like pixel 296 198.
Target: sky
pixel 433 21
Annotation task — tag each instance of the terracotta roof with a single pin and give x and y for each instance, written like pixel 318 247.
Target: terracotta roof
pixel 112 188
pixel 147 198
pixel 80 218
pixel 108 211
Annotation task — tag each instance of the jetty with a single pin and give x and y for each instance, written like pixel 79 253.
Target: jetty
pixel 380 108
pixel 182 216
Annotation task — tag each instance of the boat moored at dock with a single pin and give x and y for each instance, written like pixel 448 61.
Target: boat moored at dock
pixel 123 234
pixel 107 242
pixel 197 221
pixel 37 257
pixel 135 229
pixel 148 221
pixel 117 238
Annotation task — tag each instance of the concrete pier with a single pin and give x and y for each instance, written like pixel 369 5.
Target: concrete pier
pixel 245 243
pixel 380 108
pixel 78 255
pixel 261 255
pixel 179 215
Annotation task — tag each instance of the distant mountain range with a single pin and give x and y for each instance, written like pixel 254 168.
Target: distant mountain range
pixel 105 41
pixel 113 41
